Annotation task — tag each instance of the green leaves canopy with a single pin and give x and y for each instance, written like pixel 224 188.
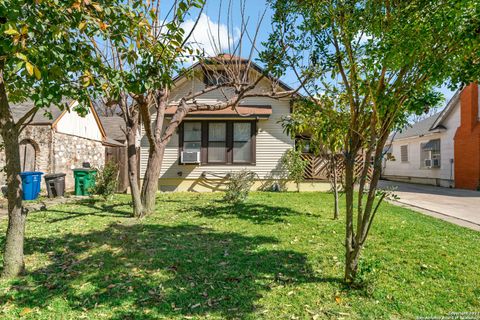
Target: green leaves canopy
pixel 44 52
pixel 382 55
pixel 150 52
pixel 324 123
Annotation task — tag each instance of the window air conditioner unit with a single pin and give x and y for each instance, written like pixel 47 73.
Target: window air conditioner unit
pixel 436 163
pixel 190 157
pixel 428 163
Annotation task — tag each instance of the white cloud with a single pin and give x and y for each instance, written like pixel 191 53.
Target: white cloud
pixel 210 37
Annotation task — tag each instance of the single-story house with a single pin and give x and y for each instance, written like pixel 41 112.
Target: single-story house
pixel 58 141
pixel 210 145
pixel 443 149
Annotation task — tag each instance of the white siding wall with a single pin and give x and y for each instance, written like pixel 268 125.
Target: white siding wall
pixel 73 124
pixel 412 168
pixel 271 142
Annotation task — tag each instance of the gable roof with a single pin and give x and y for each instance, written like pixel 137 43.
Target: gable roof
pixel 418 129
pixel 42 117
pixel 52 115
pixel 114 127
pixel 447 110
pixel 428 125
pixel 227 58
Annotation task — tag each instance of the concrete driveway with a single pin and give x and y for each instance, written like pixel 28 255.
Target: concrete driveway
pixel 461 207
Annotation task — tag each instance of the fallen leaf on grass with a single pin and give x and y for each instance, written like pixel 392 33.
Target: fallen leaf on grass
pixel 25 311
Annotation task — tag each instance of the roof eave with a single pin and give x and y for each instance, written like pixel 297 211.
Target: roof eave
pixel 446 111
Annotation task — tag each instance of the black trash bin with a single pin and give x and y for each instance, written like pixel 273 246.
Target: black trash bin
pixel 55 184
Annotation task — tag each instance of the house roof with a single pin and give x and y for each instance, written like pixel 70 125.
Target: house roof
pixel 52 114
pixel 114 127
pixel 417 129
pixel 428 125
pixel 447 110
pixel 228 58
pixel 43 116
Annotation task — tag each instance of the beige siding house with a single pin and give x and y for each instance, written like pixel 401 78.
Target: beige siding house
pixel 443 150
pixel 227 141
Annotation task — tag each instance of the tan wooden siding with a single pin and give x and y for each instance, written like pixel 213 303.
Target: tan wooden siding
pixel 271 143
pixel 73 124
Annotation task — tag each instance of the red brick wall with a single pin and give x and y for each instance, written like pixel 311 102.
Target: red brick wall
pixel 467 141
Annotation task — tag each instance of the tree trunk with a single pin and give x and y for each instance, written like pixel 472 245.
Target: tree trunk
pixel 13 264
pixel 150 180
pixel 131 132
pixel 351 265
pixel 335 188
pixel 351 259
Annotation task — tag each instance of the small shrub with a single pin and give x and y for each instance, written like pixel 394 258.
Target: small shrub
pixel 368 272
pixel 295 165
pixel 106 181
pixel 239 185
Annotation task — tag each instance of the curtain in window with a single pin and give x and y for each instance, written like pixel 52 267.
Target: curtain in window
pixel 242 143
pixel 217 137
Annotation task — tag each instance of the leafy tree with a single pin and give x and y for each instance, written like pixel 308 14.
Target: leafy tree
pixel 240 80
pixel 137 70
pixel 324 124
pixel 43 57
pixel 381 60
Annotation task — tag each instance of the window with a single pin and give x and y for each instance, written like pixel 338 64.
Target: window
pixel 192 136
pixel 404 153
pixel 242 142
pixel 220 142
pixel 302 144
pixel 430 154
pixel 217 142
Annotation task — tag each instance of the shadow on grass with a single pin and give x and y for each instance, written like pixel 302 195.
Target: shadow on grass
pixel 143 271
pixel 254 212
pixel 100 207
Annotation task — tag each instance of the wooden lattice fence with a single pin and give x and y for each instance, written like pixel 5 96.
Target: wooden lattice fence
pixel 319 168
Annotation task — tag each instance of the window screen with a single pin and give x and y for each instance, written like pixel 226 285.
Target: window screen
pixel 404 153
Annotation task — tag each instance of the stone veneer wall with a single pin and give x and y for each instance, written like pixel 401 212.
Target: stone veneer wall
pixel 41 138
pixel 71 152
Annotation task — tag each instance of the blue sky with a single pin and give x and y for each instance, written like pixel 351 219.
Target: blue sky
pixel 214 17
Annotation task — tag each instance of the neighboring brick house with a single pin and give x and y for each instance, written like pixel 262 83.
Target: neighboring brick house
pixel 59 141
pixel 443 149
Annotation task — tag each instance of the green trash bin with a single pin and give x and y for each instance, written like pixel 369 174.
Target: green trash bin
pixel 84 180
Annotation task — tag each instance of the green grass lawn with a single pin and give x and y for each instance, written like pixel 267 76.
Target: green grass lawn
pixel 278 256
